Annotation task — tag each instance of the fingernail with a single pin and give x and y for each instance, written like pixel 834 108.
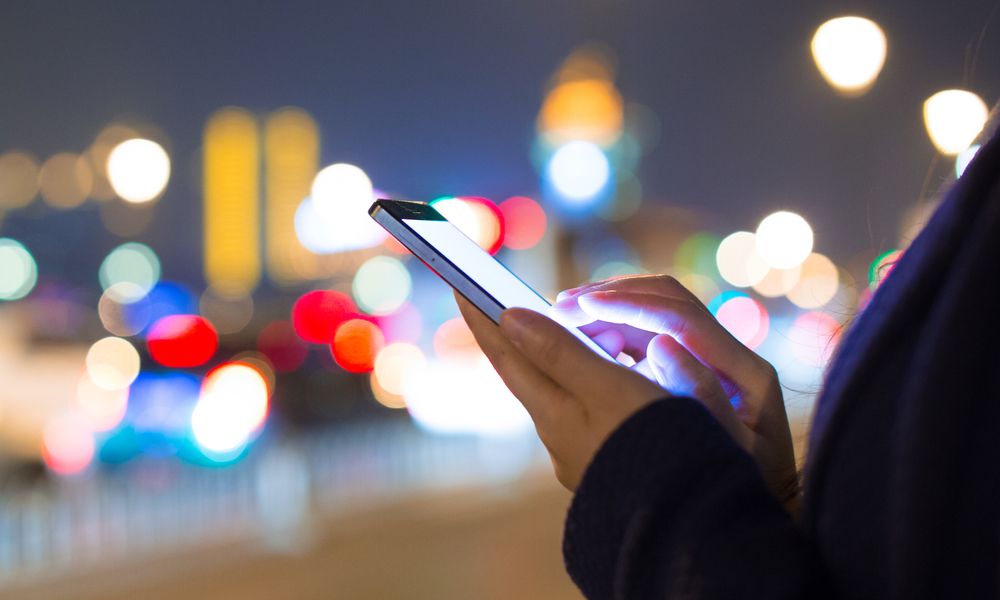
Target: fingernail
pixel 514 323
pixel 563 304
pixel 571 292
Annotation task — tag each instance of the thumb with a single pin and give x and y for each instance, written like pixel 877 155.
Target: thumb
pixel 682 374
pixel 557 353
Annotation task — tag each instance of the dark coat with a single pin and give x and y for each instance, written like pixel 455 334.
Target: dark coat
pixel 902 487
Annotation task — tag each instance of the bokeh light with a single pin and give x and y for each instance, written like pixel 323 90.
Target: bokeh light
pixel 340 197
pixel 159 410
pixel 813 338
pixel 67 443
pixel 525 222
pixel 453 340
pixel 784 240
pixel 356 344
pixel 698 254
pixel 585 109
pixel 818 282
pixel 396 364
pixel 953 119
pixel 383 396
pixel 703 287
pixel 745 318
pixel 233 404
pixel 381 285
pixel 129 272
pixel 738 261
pixel 464 397
pixel 491 229
pixel 964 158
pixel 850 53
pixel 261 364
pixel 882 266
pixel 182 341
pixel 115 317
pixel 231 211
pixel 353 229
pixel 138 170
pixel 167 298
pixel 778 282
pixel 579 171
pixel 341 187
pixel 290 161
pixel 112 363
pixel 103 408
pixel 65 180
pixel 316 315
pixel 18 271
pixel 18 180
pixel 476 217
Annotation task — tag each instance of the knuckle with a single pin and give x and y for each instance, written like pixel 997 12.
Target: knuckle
pixel 669 281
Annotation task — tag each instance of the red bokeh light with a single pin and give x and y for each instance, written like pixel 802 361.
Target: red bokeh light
pixel 182 341
pixel 317 314
pixel 277 341
pixel 525 220
pixel 355 345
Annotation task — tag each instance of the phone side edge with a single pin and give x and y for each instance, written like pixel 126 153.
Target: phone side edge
pixel 438 263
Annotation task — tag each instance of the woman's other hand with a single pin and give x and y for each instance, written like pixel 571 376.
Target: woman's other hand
pixel 575 397
pixel 670 333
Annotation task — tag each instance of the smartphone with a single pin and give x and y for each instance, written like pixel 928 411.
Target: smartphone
pixel 482 279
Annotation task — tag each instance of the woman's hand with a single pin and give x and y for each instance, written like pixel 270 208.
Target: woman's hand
pixel 575 397
pixel 668 331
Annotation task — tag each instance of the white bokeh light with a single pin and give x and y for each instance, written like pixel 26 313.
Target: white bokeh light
pixel 463 396
pixel 341 187
pixel 954 118
pixel 784 240
pixel 579 171
pixel 18 270
pixel 322 235
pixel 232 406
pixel 381 285
pixel 129 272
pixel 850 53
pixel 738 261
pixel 138 170
pixel 335 216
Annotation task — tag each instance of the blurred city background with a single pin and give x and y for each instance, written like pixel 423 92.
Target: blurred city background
pixel 218 378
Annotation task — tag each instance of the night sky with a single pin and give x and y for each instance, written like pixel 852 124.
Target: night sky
pixel 439 97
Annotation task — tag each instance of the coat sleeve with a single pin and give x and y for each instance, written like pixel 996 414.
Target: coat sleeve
pixel 671 507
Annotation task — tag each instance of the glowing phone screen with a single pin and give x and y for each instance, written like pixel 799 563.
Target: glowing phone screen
pixel 487 272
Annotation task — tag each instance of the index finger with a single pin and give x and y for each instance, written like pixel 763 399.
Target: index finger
pixel 696 329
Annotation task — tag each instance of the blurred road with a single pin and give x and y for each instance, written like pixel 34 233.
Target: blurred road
pixel 473 543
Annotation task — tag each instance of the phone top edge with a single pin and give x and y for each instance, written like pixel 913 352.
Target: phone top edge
pixel 406 209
